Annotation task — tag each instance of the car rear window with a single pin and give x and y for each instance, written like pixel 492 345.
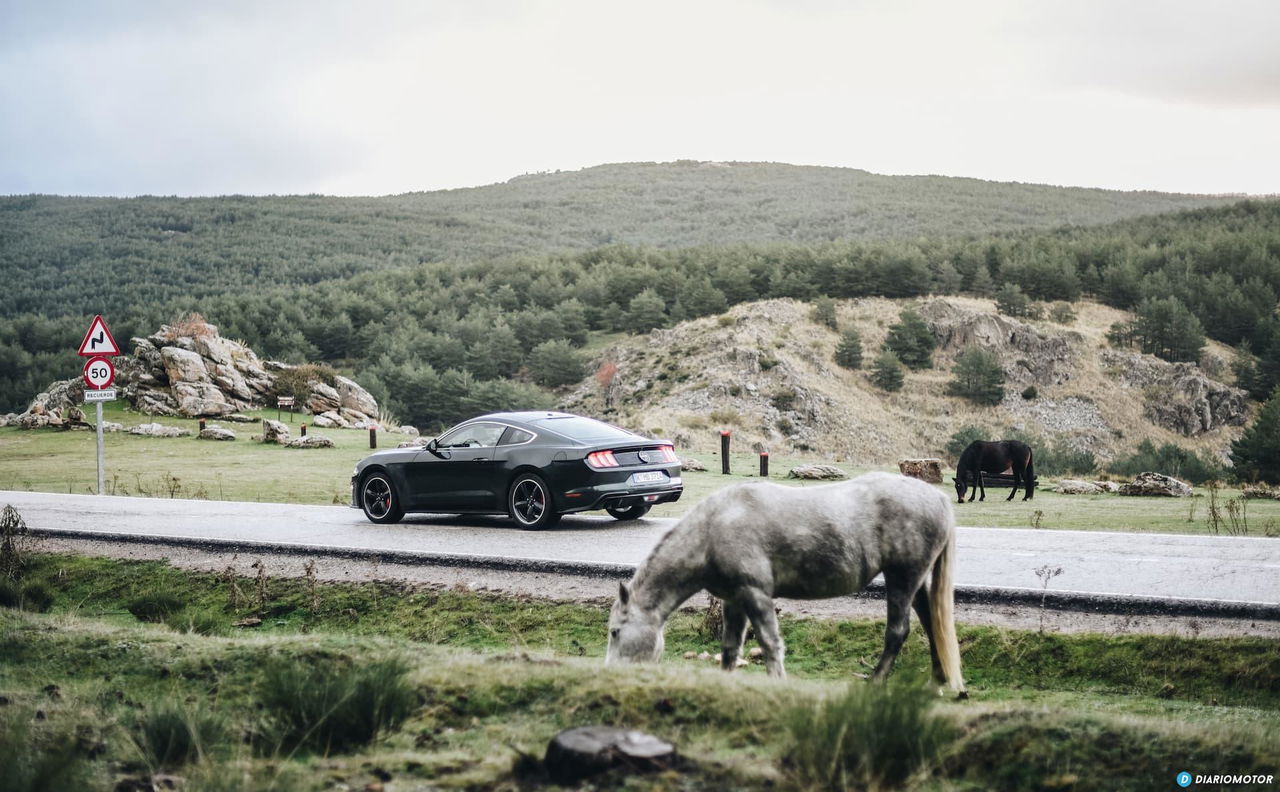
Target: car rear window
pixel 577 428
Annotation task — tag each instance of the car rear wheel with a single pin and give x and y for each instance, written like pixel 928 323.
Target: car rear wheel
pixel 529 502
pixel 379 500
pixel 633 512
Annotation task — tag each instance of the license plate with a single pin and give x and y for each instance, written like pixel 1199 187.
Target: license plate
pixel 649 478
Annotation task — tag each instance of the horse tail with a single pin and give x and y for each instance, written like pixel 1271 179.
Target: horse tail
pixel 1030 471
pixel 942 612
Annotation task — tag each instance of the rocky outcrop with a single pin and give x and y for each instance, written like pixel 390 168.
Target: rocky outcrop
pixel 188 370
pixel 1157 484
pixel 1178 396
pixel 1029 355
pixel 929 470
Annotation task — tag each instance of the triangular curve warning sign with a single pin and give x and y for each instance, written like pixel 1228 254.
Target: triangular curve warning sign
pixel 98 340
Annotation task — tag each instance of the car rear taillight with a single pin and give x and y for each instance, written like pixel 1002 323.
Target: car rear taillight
pixel 601 459
pixel 668 454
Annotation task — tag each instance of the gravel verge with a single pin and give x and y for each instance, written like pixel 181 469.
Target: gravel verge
pixel 600 591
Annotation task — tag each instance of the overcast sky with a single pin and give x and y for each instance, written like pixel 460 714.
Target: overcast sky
pixel 374 97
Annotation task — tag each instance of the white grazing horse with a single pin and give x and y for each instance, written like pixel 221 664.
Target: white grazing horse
pixel 749 543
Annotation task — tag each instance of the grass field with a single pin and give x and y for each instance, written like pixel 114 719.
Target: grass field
pixel 56 461
pixel 487 681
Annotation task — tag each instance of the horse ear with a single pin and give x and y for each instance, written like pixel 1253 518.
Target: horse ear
pixel 624 593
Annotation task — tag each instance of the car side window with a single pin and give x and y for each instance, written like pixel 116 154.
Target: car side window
pixel 514 436
pixel 479 435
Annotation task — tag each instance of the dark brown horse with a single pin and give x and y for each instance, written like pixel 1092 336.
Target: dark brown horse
pixel 994 457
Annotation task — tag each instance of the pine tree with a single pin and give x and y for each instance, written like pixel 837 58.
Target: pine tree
pixel 647 311
pixel 849 350
pixel 887 373
pixel 1256 455
pixel 824 312
pixel 1010 301
pixel 1166 328
pixel 555 363
pixel 979 377
pixel 911 341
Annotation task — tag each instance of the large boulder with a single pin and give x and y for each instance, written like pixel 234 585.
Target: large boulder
pixel 323 398
pixel 310 441
pixel 181 365
pixel 216 433
pixel 201 399
pixel 1077 487
pixel 928 470
pixel 817 472
pixel 274 432
pixel 575 754
pixel 1156 484
pixel 353 397
pixel 159 430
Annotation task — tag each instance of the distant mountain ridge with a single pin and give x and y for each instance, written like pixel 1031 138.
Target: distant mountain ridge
pixel 150 249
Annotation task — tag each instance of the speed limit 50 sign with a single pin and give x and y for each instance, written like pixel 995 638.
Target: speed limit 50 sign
pixel 99 373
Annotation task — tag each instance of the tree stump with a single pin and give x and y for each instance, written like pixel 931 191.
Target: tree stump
pixel 574 754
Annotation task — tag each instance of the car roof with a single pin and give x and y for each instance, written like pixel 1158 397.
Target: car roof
pixel 523 416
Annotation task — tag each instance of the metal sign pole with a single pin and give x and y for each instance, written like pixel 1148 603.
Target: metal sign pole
pixel 100 463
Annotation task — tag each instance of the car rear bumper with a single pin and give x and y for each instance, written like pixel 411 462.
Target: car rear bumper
pixel 620 494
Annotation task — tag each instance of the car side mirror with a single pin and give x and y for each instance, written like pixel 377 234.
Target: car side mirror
pixel 433 446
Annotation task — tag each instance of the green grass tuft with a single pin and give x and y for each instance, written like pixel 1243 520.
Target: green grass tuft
pixel 870 737
pixel 327 706
pixel 172 734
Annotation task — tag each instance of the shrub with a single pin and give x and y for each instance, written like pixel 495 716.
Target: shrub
pixel 824 312
pixel 784 399
pixel 849 350
pixel 25 596
pixel 978 377
pixel 911 340
pixel 16 543
pixel 196 620
pixel 872 737
pixel 1170 459
pixel 329 707
pixel 1062 313
pixel 887 373
pixel 154 605
pixel 39 758
pixel 173 734
pixel 1030 392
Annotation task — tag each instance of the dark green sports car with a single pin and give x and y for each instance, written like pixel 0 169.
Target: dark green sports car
pixel 533 466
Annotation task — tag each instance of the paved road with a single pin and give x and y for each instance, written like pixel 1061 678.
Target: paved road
pixel 1167 566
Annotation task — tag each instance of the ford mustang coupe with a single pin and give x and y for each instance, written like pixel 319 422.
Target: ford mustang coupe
pixel 533 466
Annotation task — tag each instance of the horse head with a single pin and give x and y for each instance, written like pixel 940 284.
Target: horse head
pixel 960 488
pixel 635 635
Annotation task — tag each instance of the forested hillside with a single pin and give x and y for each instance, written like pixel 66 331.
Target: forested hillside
pixel 85 255
pixel 438 340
